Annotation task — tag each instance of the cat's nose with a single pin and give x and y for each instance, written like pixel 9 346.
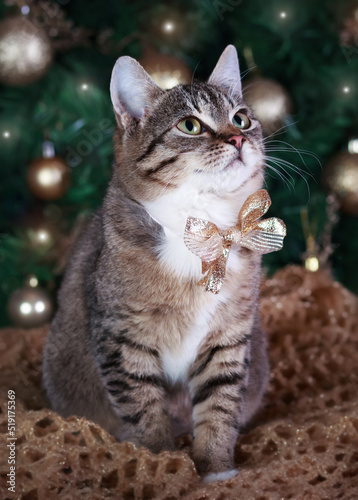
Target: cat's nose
pixel 236 140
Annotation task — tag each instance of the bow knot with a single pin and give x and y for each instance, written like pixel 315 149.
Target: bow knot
pixel 212 246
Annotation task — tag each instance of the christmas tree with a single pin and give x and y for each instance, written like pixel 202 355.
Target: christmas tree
pixel 299 63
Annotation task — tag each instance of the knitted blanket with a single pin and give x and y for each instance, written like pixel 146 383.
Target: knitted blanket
pixel 303 443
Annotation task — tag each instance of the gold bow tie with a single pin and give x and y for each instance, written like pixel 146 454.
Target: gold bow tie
pixel 205 240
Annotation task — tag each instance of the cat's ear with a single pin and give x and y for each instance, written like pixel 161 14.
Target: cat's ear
pixel 132 90
pixel 227 72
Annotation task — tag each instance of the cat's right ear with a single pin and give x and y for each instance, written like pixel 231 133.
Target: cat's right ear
pixel 132 90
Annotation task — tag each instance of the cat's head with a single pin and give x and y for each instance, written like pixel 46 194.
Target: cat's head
pixel 201 134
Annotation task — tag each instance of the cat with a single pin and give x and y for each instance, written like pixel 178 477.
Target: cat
pixel 132 321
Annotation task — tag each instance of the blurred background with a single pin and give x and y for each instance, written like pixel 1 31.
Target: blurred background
pixel 300 66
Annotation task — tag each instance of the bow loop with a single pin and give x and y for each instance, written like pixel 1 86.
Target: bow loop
pixel 255 206
pixel 205 240
pixel 265 236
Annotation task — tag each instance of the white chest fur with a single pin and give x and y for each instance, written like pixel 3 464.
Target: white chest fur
pixel 177 360
pixel 171 211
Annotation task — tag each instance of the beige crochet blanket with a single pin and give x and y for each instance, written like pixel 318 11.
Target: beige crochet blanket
pixel 303 444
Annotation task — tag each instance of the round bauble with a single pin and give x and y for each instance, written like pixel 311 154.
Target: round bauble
pixel 43 238
pixel 270 102
pixel 341 177
pixel 25 51
pixel 167 71
pixel 48 178
pixel 30 307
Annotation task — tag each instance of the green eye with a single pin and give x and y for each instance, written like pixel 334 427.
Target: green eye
pixel 242 121
pixel 190 126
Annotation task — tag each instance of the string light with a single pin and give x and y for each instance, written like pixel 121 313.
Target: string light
pixel 84 86
pixel 346 90
pixel 6 134
pixel 283 15
pixel 43 236
pixel 33 282
pixel 312 263
pixel 168 27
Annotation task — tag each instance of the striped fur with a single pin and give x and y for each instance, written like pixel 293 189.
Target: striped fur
pixel 132 322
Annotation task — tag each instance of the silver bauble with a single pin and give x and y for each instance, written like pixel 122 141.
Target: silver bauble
pixel 25 51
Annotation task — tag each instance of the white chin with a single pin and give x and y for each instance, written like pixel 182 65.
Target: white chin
pixel 228 179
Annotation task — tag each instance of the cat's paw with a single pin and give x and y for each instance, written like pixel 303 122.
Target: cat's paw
pixel 220 476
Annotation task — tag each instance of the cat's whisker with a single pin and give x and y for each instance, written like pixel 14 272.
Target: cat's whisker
pixel 294 149
pixel 279 131
pixel 295 168
pixel 232 88
pixel 289 182
pixel 292 166
pixel 191 84
pixel 282 164
pixel 186 95
pixel 251 85
pixel 245 73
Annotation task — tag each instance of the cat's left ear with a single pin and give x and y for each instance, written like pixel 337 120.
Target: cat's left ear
pixel 227 72
pixel 132 90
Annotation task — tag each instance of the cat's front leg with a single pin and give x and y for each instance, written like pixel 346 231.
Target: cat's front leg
pixel 218 384
pixel 132 376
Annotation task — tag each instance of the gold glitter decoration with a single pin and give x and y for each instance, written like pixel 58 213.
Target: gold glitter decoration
pixel 270 102
pixel 25 51
pixel 341 177
pixel 302 445
pixel 212 246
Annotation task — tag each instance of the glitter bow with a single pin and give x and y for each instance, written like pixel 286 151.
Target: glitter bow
pixel 205 240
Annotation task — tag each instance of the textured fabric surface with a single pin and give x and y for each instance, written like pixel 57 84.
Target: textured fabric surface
pixel 302 445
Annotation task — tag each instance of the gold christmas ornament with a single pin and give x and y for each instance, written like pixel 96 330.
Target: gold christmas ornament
pixel 270 102
pixel 25 51
pixel 30 307
pixel 212 246
pixel 41 236
pixel 341 177
pixel 167 71
pixel 48 178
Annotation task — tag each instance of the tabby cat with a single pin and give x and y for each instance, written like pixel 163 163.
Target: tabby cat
pixel 132 321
